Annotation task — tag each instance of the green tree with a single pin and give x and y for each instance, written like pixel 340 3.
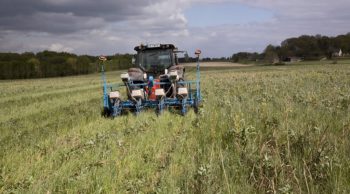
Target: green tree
pixel 270 54
pixel 35 63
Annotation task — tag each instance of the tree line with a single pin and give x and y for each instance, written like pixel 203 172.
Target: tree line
pixel 304 47
pixel 53 64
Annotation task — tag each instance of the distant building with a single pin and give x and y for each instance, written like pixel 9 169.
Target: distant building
pixel 338 54
pixel 292 59
pixel 275 60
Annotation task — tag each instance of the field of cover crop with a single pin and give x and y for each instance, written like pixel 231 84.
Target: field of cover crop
pixel 272 129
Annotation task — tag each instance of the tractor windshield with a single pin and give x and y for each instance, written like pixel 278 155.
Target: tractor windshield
pixel 155 60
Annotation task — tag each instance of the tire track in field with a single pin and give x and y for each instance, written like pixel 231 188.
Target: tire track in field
pixel 65 108
pixel 11 87
pixel 145 150
pixel 164 156
pixel 10 92
pixel 28 87
pixel 41 125
pixel 38 94
pixel 6 103
pixel 51 147
pixel 48 104
pixel 168 158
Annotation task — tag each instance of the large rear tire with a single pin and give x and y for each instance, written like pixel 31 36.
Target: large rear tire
pixel 117 109
pixel 138 105
pixel 196 106
pixel 105 112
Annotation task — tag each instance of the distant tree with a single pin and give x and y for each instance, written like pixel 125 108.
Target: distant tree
pixel 314 47
pixel 243 57
pixel 83 63
pixel 270 54
pixel 35 64
pixel 72 62
pixel 50 64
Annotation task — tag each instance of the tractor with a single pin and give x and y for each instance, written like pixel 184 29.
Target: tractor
pixel 157 81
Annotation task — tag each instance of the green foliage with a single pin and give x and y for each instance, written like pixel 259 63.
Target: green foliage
pixel 313 47
pixel 304 47
pixel 266 129
pixel 53 64
pixel 270 55
pixel 243 57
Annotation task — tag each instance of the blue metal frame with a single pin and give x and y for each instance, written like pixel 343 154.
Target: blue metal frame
pixel 114 109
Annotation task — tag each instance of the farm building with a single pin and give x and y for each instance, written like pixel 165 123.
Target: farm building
pixel 338 53
pixel 292 59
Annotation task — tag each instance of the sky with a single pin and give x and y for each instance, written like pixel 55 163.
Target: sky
pixel 218 27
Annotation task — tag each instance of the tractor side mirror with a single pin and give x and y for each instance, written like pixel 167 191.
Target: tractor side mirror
pixel 102 58
pixel 198 52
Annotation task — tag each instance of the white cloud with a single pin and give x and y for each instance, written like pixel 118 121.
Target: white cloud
pixel 111 26
pixel 59 48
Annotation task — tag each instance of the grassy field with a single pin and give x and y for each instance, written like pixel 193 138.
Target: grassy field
pixel 283 129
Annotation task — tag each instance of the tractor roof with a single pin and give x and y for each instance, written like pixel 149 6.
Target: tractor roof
pixel 154 47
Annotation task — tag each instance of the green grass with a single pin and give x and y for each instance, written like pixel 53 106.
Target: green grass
pixel 269 129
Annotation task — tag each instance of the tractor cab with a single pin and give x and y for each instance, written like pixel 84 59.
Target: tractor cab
pixel 155 60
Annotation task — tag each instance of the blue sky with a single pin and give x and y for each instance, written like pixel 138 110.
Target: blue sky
pixel 225 13
pixel 218 27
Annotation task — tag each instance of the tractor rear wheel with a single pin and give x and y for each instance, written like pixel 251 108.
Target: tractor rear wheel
pixel 105 112
pixel 196 106
pixel 116 108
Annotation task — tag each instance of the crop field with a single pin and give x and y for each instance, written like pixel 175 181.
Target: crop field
pixel 271 129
